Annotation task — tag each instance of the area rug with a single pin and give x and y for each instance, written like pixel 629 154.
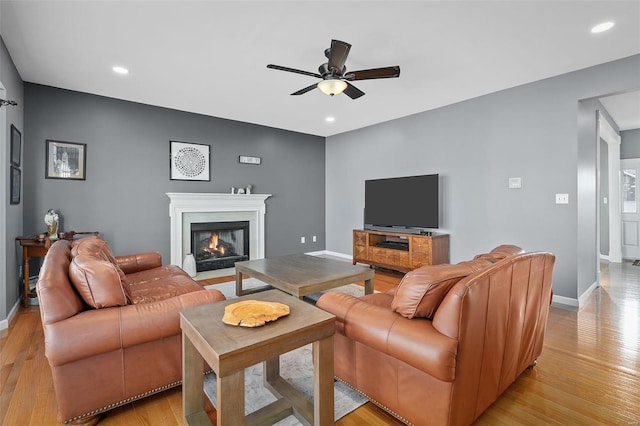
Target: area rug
pixel 297 368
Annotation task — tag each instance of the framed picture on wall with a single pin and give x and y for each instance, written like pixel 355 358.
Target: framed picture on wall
pixel 16 145
pixel 16 177
pixel 190 161
pixel 66 160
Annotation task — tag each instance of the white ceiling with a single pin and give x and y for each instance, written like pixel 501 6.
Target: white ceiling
pixel 210 57
pixel 624 108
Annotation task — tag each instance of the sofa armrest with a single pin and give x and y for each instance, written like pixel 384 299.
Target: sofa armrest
pixel 139 262
pixel 413 341
pixel 98 331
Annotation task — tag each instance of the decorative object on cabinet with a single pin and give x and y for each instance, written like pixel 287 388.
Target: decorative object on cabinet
pixel 190 161
pixel 52 220
pixel 16 145
pixel 65 160
pixel 16 178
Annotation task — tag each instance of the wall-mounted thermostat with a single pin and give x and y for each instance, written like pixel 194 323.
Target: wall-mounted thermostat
pixel 515 182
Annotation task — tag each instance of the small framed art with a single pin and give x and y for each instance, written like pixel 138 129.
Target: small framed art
pixel 66 160
pixel 190 161
pixel 16 177
pixel 16 145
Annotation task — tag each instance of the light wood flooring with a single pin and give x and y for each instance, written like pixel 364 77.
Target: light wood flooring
pixel 588 374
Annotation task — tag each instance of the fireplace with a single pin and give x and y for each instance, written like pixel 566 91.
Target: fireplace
pixel 186 209
pixel 219 245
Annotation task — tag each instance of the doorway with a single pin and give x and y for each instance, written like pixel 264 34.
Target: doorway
pixel 630 211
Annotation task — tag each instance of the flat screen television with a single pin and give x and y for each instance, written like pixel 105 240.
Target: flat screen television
pixel 403 202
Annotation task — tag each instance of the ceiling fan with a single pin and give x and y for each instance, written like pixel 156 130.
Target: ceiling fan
pixel 334 75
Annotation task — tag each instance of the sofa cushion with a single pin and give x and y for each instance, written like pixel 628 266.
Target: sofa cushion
pixel 98 248
pixel 160 283
pixel 97 281
pixel 422 290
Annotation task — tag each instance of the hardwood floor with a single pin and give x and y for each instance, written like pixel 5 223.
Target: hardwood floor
pixel 588 374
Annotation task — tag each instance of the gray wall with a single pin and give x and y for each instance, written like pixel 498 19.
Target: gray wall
pixel 530 131
pixel 630 143
pixel 128 170
pixel 9 282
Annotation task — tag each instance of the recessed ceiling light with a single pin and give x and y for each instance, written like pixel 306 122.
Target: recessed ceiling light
pixel 330 119
pixel 120 70
pixel 605 26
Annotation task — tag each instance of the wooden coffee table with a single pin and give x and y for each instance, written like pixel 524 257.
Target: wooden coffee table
pixel 301 274
pixel 228 350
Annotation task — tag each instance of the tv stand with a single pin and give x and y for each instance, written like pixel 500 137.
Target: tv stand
pixel 398 250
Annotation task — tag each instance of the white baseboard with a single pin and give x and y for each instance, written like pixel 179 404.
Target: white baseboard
pixel 604 257
pixel 565 300
pixel 584 296
pixel 580 301
pixel 4 324
pixel 330 253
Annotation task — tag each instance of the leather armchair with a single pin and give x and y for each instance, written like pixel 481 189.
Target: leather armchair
pixel 446 369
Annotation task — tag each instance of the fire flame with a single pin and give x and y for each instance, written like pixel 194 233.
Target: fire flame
pixel 213 242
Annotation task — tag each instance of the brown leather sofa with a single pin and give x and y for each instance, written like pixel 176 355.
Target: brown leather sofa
pixel 444 344
pixel 111 325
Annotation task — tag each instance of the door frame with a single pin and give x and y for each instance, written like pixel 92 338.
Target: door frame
pixel 3 210
pixel 612 138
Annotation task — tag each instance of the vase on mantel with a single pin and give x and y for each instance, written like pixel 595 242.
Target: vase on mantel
pixel 189 265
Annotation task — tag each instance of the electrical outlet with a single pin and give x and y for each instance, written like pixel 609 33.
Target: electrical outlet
pixel 303 240
pixel 314 238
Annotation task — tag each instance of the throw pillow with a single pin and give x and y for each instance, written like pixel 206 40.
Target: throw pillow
pixel 97 281
pixel 422 290
pixel 97 247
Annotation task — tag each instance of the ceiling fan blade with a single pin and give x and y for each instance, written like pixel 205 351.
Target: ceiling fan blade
pixel 305 90
pixel 278 67
pixel 388 72
pixel 338 55
pixel 352 91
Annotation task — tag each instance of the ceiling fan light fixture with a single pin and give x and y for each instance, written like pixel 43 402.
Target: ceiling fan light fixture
pixel 332 86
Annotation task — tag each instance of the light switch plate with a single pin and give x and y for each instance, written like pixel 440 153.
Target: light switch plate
pixel 562 198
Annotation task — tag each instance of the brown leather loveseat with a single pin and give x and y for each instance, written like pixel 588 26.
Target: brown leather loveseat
pixel 111 325
pixel 444 344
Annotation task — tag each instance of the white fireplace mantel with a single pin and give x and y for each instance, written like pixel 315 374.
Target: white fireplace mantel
pixel 182 203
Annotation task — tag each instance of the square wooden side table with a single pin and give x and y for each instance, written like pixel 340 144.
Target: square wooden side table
pixel 228 350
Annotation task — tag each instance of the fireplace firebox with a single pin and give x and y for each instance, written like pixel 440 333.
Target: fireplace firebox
pixel 218 245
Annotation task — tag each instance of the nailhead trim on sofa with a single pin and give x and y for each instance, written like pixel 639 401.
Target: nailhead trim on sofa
pixel 387 409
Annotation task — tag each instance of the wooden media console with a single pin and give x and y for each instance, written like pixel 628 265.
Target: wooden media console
pixel 398 251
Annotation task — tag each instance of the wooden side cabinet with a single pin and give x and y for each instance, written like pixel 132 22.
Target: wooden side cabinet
pixel 397 251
